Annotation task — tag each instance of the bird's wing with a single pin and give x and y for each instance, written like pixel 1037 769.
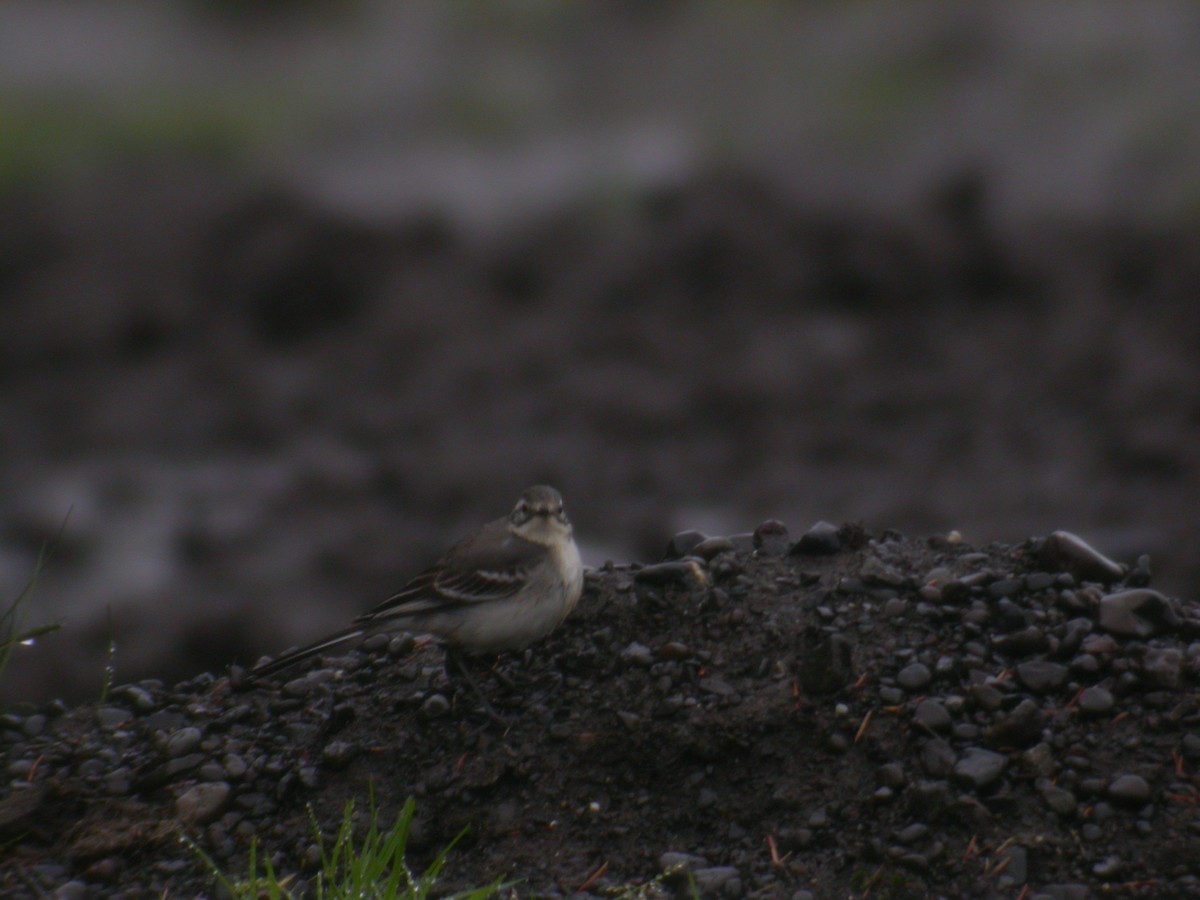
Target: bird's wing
pixel 490 565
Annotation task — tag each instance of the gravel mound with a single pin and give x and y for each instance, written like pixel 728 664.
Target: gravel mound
pixel 830 714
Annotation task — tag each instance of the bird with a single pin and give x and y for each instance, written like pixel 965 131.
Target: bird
pixel 501 588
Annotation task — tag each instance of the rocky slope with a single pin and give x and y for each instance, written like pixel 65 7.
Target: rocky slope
pixel 838 715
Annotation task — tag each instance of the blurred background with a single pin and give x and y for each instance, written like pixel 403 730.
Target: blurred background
pixel 293 295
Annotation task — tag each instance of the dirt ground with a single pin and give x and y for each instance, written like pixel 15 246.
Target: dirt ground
pixel 844 716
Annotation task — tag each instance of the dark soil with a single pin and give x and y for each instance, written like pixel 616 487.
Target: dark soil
pixel 845 715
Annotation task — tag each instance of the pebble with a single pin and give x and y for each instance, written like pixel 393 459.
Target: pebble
pixel 1132 789
pixel 435 706
pixel 684 543
pixel 339 754
pixel 1139 613
pixel 683 573
pixel 980 768
pixel 1096 701
pixel 718 881
pixel 1017 871
pixel 1019 727
pixel 822 539
pixel 987 697
pixel 771 538
pixel 235 765
pixel 932 715
pixel 638 654
pixel 1063 551
pixel 1004 587
pixel 1163 667
pixel 183 741
pixel 1111 867
pixel 674 860
pixel 202 803
pixel 113 717
pixel 1189 746
pixel 713 546
pixel 937 758
pixel 911 834
pixel 914 677
pixel 1061 801
pixel 1042 677
pixel 142 699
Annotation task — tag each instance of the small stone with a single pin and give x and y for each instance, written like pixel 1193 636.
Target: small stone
pixel 1022 643
pixel 71 890
pixel 674 861
pixel 1132 789
pixel 1137 613
pixel 987 697
pixel 1017 858
pixel 181 764
pixel 932 715
pixel 718 881
pixel 674 650
pixel 401 646
pixel 875 571
pixel 1040 759
pixel 1042 677
pixel 339 754
pixel 914 677
pixel 891 775
pixel 1060 801
pixel 1004 587
pixel 305 684
pixel 183 741
pixel 826 663
pixel 715 684
pixel 1038 581
pixel 1163 667
pixel 212 771
pixel 202 803
pixel 937 758
pixel 1189 746
pixel 823 539
pixel 113 717
pixel 235 765
pixel 142 699
pixel 1096 701
pixel 119 781
pixel 682 573
pixel 1020 727
pixel 911 834
pixel 713 546
pixel 980 768
pixel 684 543
pixel 1110 868
pixel 771 538
pixel 638 654
pixel 435 706
pixel 1063 551
pixel 630 720
pixel 932 798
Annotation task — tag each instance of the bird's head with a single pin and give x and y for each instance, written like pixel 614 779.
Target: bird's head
pixel 539 516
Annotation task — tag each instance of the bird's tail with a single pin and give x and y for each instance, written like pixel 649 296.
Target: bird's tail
pixel 292 657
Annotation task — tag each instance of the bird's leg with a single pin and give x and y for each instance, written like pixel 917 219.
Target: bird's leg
pixel 453 657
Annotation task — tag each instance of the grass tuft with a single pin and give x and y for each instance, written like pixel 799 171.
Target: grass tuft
pixel 12 631
pixel 372 868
